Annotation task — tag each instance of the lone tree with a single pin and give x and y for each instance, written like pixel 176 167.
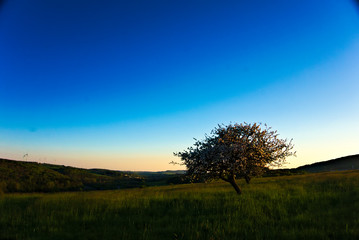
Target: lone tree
pixel 235 151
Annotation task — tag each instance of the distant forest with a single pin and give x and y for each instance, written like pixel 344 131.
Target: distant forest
pixel 17 176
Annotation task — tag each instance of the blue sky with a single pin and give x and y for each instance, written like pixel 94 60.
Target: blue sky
pixel 124 84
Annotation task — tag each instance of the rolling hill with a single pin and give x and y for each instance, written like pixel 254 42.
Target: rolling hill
pixel 339 164
pixel 20 176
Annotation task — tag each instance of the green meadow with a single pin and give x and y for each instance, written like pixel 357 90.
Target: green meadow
pixel 309 206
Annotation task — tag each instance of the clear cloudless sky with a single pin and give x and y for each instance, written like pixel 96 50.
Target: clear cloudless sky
pixel 124 84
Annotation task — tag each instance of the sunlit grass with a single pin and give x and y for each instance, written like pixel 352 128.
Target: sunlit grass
pixel 313 206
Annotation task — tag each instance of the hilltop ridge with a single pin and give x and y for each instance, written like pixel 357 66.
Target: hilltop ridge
pixel 350 162
pixel 20 176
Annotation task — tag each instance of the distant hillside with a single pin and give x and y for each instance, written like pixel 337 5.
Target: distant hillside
pixel 164 177
pixel 19 176
pixel 338 164
pixel 160 173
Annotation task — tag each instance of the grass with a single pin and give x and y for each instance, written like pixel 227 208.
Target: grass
pixel 312 206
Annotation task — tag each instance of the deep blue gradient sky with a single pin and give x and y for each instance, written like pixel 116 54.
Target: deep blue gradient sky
pixel 123 84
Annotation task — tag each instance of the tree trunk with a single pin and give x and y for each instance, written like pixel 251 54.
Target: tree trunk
pixel 232 181
pixel 248 179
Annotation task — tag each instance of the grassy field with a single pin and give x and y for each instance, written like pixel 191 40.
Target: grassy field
pixel 312 206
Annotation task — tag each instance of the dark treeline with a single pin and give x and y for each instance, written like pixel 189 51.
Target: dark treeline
pixel 17 176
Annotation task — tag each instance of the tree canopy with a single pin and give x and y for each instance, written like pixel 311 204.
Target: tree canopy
pixel 235 151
